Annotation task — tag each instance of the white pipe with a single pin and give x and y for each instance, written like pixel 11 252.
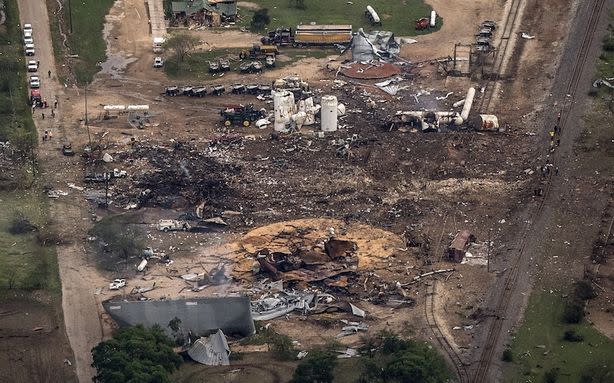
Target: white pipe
pixel 458 103
pixel 468 103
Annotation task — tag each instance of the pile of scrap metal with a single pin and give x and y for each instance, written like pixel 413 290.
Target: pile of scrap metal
pixel 212 350
pixel 376 45
pixel 329 264
pixel 198 282
pixel 274 305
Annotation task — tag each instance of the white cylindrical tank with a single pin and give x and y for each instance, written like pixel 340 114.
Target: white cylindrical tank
pixel 142 265
pixel 433 18
pixel 328 114
pixel 468 103
pixel 489 122
pixel 283 106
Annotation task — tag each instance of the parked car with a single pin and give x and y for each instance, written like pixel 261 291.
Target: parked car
pixel 117 284
pixel 32 66
pixel 30 50
pixel 158 62
pixel 35 82
pixel 166 225
pixel 27 28
pixel 27 38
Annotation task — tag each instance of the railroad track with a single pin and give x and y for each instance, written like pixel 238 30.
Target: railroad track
pixel 494 333
pixel 429 307
pixel 500 55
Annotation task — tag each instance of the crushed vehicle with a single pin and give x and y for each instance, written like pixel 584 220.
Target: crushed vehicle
pixel 241 114
pixel 187 90
pixel 251 67
pixel 238 89
pixel 422 24
pixel 259 52
pixel 35 97
pixel 199 92
pixel 167 225
pixel 96 177
pixel 117 284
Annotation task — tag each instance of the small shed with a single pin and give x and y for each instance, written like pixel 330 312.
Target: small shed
pixel 457 249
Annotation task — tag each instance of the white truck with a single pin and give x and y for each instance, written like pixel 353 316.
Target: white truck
pixel 158 44
pixel 167 225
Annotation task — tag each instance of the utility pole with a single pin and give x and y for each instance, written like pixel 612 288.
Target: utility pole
pixel 488 251
pixel 70 15
pixel 89 136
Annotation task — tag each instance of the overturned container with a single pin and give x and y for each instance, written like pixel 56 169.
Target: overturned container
pixel 489 122
pixel 328 113
pixel 283 106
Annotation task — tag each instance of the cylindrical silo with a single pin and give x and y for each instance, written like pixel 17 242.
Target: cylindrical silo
pixel 328 113
pixel 283 106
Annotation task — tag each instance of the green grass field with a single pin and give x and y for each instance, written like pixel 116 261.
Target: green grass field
pixel 24 263
pixel 543 326
pixel 196 66
pixel 397 16
pixel 14 108
pixel 86 39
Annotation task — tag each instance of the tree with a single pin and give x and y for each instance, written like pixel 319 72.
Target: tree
pixel 317 367
pixel 260 19
pixel 135 355
pixel 181 44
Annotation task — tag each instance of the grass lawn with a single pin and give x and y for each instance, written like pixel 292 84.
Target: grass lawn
pixel 15 114
pixel 86 39
pixel 24 263
pixel 196 66
pixel 543 327
pixel 397 16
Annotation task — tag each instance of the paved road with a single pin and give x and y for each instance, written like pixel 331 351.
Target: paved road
pixel 78 302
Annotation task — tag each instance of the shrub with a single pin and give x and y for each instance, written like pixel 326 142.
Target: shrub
pixel 317 367
pixel 584 289
pixel 574 311
pixel 507 356
pixel 21 225
pixel 571 336
pixel 260 19
pixel 551 376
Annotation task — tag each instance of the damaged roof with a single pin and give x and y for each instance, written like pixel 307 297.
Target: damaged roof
pixel 212 350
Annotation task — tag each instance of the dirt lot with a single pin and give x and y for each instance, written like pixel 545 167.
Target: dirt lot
pixel 394 185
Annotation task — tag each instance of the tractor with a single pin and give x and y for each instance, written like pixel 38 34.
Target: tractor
pixel 241 114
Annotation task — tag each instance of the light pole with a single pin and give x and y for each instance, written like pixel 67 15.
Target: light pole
pixel 70 15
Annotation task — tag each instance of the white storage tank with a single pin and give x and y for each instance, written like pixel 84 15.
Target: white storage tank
pixel 328 113
pixel 283 106
pixel 433 18
pixel 468 103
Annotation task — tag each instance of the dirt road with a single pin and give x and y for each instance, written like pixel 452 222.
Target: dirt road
pixel 78 302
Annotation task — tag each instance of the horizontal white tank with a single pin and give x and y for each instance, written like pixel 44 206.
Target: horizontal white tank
pixel 340 110
pixel 458 103
pixel 283 107
pixel 489 122
pixel 137 107
pixel 142 265
pixel 433 18
pixel 374 16
pixel 468 103
pixel 114 107
pixel 328 114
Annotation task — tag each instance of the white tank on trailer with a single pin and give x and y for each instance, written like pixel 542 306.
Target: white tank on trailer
pixel 328 113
